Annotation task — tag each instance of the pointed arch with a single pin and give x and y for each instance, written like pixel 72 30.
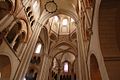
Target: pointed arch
pixel 94 68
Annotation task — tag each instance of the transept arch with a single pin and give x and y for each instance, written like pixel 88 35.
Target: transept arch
pixel 63 66
pixel 53 51
pixel 45 16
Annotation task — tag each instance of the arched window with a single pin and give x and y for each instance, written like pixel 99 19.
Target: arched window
pixel 28 9
pixel 19 40
pixel 38 48
pixel 35 4
pixel 13 32
pixel 15 36
pixel 64 22
pixel 65 28
pixel 66 66
pixel 30 13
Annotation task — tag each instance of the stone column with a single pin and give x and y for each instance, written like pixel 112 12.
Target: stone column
pixel 47 61
pixel 81 55
pixel 14 40
pixel 28 54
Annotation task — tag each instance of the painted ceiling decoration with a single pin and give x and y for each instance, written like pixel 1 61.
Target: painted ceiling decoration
pixel 51 6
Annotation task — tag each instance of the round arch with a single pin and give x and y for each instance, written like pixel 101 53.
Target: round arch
pixel 5 67
pixel 13 60
pixel 61 58
pixel 17 33
pixel 24 28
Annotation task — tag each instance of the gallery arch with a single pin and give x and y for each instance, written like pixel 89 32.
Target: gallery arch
pixel 63 67
pixel 16 34
pixel 5 8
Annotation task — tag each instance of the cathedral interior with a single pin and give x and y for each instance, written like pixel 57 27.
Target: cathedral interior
pixel 59 40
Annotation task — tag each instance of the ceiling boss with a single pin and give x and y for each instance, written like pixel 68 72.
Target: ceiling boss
pixel 51 6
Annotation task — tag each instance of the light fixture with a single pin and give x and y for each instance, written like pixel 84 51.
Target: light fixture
pixel 51 6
